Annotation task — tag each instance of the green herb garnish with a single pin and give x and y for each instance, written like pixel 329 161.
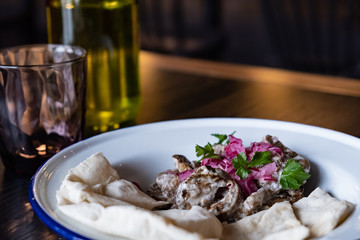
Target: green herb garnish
pixel 221 137
pixel 293 175
pixel 242 165
pixel 206 152
pixel 260 158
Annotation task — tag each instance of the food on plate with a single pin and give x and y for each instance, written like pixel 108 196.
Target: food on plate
pixel 233 181
pixel 90 194
pixel 95 180
pixel 310 217
pixel 321 213
pixel 278 222
pixel 232 192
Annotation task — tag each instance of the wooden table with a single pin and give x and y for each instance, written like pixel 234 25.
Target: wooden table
pixel 178 88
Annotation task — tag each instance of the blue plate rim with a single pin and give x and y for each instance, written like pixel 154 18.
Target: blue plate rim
pixel 50 222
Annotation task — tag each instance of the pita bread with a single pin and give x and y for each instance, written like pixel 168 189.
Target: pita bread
pixel 295 233
pixel 197 219
pixel 321 213
pixel 94 194
pixel 278 222
pixel 95 180
pixel 115 220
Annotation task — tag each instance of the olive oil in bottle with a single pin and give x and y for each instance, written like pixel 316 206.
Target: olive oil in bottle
pixel 108 30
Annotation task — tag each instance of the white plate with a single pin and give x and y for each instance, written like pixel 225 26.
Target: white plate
pixel 139 153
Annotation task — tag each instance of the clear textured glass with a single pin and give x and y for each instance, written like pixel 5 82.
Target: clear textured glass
pixel 42 103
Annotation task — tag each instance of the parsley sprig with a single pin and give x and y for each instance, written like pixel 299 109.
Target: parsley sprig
pixel 222 137
pixel 293 175
pixel 243 166
pixel 206 152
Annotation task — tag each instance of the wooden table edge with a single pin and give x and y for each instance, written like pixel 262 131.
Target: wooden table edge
pixel 240 72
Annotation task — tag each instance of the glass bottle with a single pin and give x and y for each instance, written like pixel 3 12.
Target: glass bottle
pixel 108 30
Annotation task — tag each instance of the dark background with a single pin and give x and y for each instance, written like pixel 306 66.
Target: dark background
pixel 320 36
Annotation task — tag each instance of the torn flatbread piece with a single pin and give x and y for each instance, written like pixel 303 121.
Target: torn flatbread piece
pixel 197 219
pixel 321 212
pixel 93 194
pixel 129 221
pixel 95 180
pixel 277 222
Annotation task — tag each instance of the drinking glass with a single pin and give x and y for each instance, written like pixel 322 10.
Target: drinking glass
pixel 108 30
pixel 42 103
